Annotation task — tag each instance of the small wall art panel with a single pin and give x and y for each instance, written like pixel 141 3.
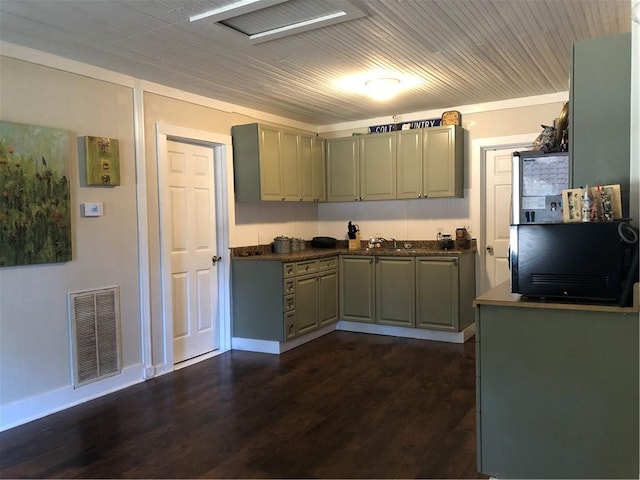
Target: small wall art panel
pixel 102 159
pixel 35 218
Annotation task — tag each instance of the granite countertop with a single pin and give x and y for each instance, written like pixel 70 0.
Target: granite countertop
pixel 501 296
pixel 418 248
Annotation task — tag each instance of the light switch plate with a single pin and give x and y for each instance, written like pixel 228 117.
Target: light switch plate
pixel 92 209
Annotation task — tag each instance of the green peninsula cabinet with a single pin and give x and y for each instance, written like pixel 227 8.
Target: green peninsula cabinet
pixel 556 388
pixel 280 301
pixel 276 165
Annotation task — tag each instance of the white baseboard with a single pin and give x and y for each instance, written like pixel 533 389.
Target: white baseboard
pixel 38 406
pixel 275 347
pixel 420 333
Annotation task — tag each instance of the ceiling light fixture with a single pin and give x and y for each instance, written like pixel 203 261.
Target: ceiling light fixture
pixel 383 88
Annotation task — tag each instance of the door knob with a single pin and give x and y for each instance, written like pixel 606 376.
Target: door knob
pixel 489 249
pixel 215 259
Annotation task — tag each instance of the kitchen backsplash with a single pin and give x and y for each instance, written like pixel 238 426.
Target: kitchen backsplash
pixel 259 223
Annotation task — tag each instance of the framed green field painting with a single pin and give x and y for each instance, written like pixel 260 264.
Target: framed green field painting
pixel 35 216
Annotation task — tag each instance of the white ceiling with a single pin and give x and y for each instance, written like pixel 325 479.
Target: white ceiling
pixel 465 51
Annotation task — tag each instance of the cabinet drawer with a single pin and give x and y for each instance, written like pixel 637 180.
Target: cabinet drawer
pixel 303 268
pixel 288 270
pixel 289 286
pixel 327 264
pixel 290 325
pixel 289 303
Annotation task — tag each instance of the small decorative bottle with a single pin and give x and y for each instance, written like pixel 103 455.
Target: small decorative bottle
pixel 586 205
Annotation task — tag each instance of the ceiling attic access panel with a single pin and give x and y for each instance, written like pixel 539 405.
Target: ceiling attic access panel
pixel 263 20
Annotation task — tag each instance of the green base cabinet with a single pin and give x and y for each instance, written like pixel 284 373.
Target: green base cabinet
pixel 279 302
pixel 327 297
pixel 557 393
pixel 395 291
pixel 445 289
pixel 357 288
pixel 425 292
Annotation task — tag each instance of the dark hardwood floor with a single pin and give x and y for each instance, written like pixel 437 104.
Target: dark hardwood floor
pixel 346 405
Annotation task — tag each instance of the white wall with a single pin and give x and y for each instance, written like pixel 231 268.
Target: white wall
pixel 34 333
pixel 34 336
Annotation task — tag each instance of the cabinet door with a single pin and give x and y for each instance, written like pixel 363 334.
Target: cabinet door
pixel 443 162
pixel 357 288
pixel 395 291
pixel 318 170
pixel 601 148
pixel 290 189
pixel 409 163
pixel 437 293
pixel 378 166
pixel 342 170
pixel 306 303
pixel 270 165
pixel 328 298
pixel 305 168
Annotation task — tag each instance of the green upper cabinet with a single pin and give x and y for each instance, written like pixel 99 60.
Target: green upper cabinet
pixel 343 169
pixel 418 163
pixel 272 164
pixel 431 162
pixel 443 162
pixel 361 167
pixel 378 166
pixel 318 170
pixel 305 168
pixel 290 167
pixel 600 113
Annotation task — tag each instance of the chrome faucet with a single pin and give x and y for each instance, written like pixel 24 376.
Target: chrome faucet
pixel 395 243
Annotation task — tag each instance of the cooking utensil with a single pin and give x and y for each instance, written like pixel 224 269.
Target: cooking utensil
pixel 323 242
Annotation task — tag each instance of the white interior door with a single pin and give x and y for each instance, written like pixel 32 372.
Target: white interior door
pixel 192 236
pixel 497 219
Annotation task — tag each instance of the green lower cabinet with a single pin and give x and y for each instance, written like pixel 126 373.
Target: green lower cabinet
pixel 424 292
pixel 279 302
pixel 327 298
pixel 437 293
pixel 307 303
pixel 357 288
pixel 395 291
pixel 445 289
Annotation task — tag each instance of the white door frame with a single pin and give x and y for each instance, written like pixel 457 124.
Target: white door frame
pixel 223 164
pixel 479 150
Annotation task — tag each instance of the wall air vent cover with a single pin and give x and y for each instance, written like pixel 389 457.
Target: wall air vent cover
pixel 94 317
